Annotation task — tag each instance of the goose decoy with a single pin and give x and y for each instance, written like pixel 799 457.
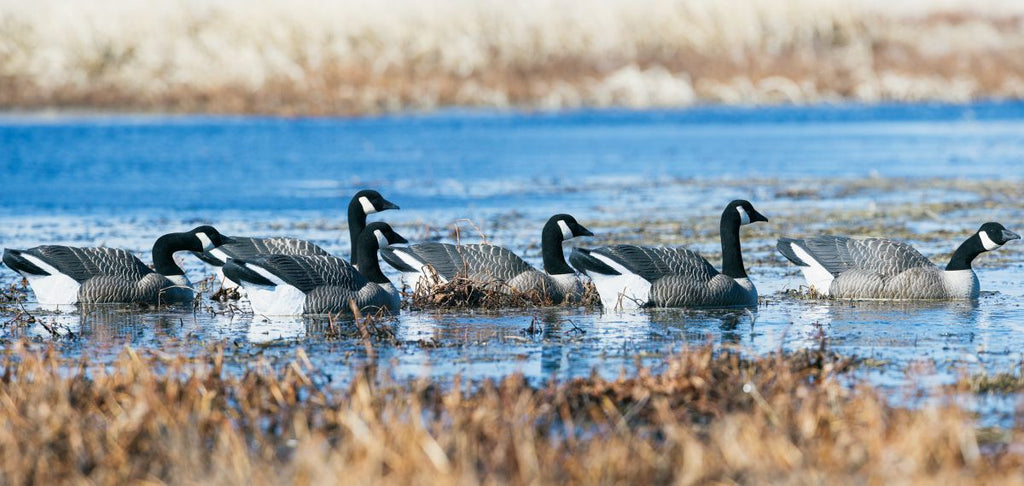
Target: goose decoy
pixel 495 266
pixel 878 268
pixel 363 203
pixel 319 284
pixel 65 275
pixel 629 276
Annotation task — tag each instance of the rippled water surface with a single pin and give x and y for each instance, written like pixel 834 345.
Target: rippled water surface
pixel 928 174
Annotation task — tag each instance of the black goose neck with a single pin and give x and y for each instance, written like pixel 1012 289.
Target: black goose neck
pixel 366 258
pixel 164 249
pixel 732 256
pixel 356 225
pixel 965 253
pixel 551 239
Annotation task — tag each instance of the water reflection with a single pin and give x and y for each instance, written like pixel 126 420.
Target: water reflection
pixel 262 329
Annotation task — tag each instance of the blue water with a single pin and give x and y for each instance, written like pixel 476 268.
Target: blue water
pixel 76 163
pixel 121 180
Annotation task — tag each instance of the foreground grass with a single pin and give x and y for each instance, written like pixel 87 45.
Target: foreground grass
pixel 358 56
pixel 710 416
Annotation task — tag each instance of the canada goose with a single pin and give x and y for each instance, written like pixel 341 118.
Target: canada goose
pixel 629 276
pixel 363 203
pixel 880 268
pixel 495 266
pixel 319 284
pixel 65 275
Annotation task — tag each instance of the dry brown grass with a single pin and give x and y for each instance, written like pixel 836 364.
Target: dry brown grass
pixel 1002 382
pixel 358 56
pixel 465 293
pixel 710 416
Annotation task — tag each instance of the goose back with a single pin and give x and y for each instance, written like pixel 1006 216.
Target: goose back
pixel 885 257
pixel 81 264
pixel 246 247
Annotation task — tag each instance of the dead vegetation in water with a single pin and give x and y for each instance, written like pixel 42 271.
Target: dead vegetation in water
pixel 711 416
pixel 997 383
pixel 804 293
pixel 466 293
pixel 13 293
pixel 226 294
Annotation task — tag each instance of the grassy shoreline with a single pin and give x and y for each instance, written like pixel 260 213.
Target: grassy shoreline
pixel 359 57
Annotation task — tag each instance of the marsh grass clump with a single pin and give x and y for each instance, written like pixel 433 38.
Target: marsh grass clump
pixel 226 294
pixel 710 416
pixel 1000 383
pixel 591 298
pixel 466 293
pixel 804 293
pixel 14 293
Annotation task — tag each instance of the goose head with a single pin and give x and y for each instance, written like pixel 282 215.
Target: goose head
pixel 371 201
pixel 742 212
pixel 380 235
pixel 567 227
pixel 200 239
pixel 994 235
pixel 206 238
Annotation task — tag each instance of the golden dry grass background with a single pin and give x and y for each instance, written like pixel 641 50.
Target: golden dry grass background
pixel 711 416
pixel 363 56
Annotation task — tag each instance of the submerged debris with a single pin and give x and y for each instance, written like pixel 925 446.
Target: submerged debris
pixel 225 294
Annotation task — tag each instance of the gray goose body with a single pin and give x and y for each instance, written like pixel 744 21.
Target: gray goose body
pixel 65 275
pixel 631 276
pixel 883 269
pixel 319 284
pixel 246 247
pixel 496 267
pixel 673 277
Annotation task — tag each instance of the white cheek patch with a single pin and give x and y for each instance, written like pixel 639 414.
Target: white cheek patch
pixel 367 205
pixel 987 242
pixel 744 217
pixel 566 232
pixel 382 240
pixel 205 241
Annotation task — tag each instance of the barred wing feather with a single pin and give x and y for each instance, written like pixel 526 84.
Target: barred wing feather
pixel 880 255
pixel 654 263
pixel 244 248
pixel 306 272
pixel 82 264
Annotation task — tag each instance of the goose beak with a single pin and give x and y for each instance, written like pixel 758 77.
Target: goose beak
pixel 1010 235
pixel 583 232
pixel 388 205
pixel 756 216
pixel 397 239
